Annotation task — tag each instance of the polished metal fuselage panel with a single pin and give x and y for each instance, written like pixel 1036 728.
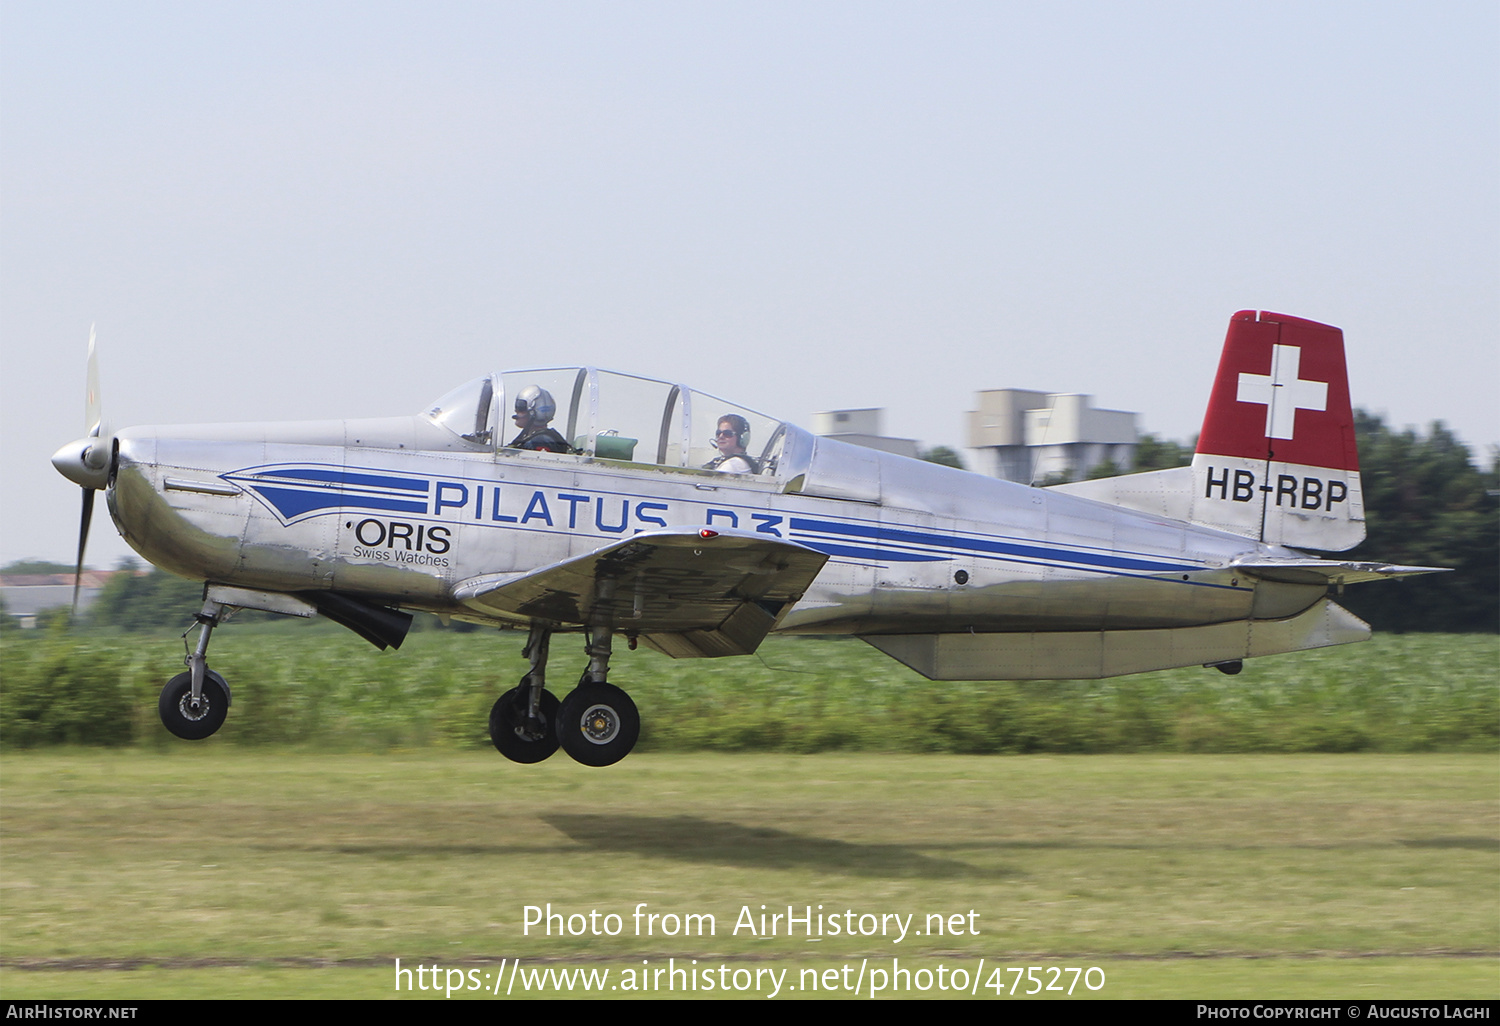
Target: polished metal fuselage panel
pixel 399 511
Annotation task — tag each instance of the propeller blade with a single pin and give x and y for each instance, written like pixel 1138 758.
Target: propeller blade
pixel 83 539
pixel 87 461
pixel 98 454
pixel 91 406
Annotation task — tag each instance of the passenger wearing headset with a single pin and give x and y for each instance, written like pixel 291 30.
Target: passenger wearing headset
pixel 730 439
pixel 535 409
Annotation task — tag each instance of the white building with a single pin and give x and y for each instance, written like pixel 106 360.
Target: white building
pixel 26 595
pixel 1026 436
pixel 861 427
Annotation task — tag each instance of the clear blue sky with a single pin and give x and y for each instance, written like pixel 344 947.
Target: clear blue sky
pixel 295 210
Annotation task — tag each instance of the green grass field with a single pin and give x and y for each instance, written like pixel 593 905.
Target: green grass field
pixel 225 871
pixel 320 687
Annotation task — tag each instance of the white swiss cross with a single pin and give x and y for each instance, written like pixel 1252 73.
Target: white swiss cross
pixel 1294 393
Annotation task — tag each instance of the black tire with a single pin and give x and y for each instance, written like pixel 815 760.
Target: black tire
pixel 598 724
pixel 509 730
pixel 179 715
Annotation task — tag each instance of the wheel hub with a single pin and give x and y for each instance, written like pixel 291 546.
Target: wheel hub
pixel 193 709
pixel 600 724
pixel 529 729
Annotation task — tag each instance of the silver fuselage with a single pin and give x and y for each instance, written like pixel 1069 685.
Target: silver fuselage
pixel 410 512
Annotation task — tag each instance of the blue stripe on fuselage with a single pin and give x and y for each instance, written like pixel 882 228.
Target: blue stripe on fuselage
pixel 345 477
pixel 294 502
pixel 1029 552
pixel 886 555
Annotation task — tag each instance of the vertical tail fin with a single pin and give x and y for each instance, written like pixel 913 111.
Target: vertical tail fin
pixel 1277 459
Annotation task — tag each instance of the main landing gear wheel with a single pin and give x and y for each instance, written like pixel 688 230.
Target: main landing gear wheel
pixel 190 720
pixel 514 736
pixel 598 724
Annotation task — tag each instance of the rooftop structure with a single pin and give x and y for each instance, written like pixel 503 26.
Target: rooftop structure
pixel 861 427
pixel 1028 436
pixel 26 595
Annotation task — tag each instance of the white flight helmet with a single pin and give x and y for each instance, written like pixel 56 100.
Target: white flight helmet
pixel 538 402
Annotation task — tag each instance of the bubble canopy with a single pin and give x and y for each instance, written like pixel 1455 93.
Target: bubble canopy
pixel 605 415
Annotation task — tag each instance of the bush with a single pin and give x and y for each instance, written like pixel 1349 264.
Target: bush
pixel 62 692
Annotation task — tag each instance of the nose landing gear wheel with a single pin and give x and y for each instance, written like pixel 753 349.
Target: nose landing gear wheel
pixel 189 720
pixel 514 736
pixel 599 724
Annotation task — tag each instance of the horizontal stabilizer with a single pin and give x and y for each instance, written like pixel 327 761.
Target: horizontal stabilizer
pixel 699 592
pixel 1327 571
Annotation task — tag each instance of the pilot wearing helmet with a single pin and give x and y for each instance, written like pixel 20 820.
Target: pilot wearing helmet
pixel 730 439
pixel 535 408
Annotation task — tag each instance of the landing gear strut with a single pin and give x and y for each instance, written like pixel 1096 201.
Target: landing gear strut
pixel 597 723
pixel 523 722
pixel 193 704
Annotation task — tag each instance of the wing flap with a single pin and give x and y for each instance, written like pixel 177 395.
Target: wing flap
pixel 703 592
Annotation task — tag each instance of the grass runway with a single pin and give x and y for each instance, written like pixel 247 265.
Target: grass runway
pixel 222 871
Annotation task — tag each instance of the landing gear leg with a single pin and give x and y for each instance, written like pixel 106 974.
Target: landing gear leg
pixel 523 721
pixel 598 648
pixel 598 723
pixel 193 704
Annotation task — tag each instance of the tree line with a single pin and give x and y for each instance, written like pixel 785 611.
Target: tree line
pixel 1426 504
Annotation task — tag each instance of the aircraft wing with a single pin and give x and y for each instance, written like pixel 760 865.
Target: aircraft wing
pixel 700 592
pixel 1326 571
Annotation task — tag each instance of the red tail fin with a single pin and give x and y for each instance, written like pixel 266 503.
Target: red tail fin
pixel 1282 394
pixel 1277 458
